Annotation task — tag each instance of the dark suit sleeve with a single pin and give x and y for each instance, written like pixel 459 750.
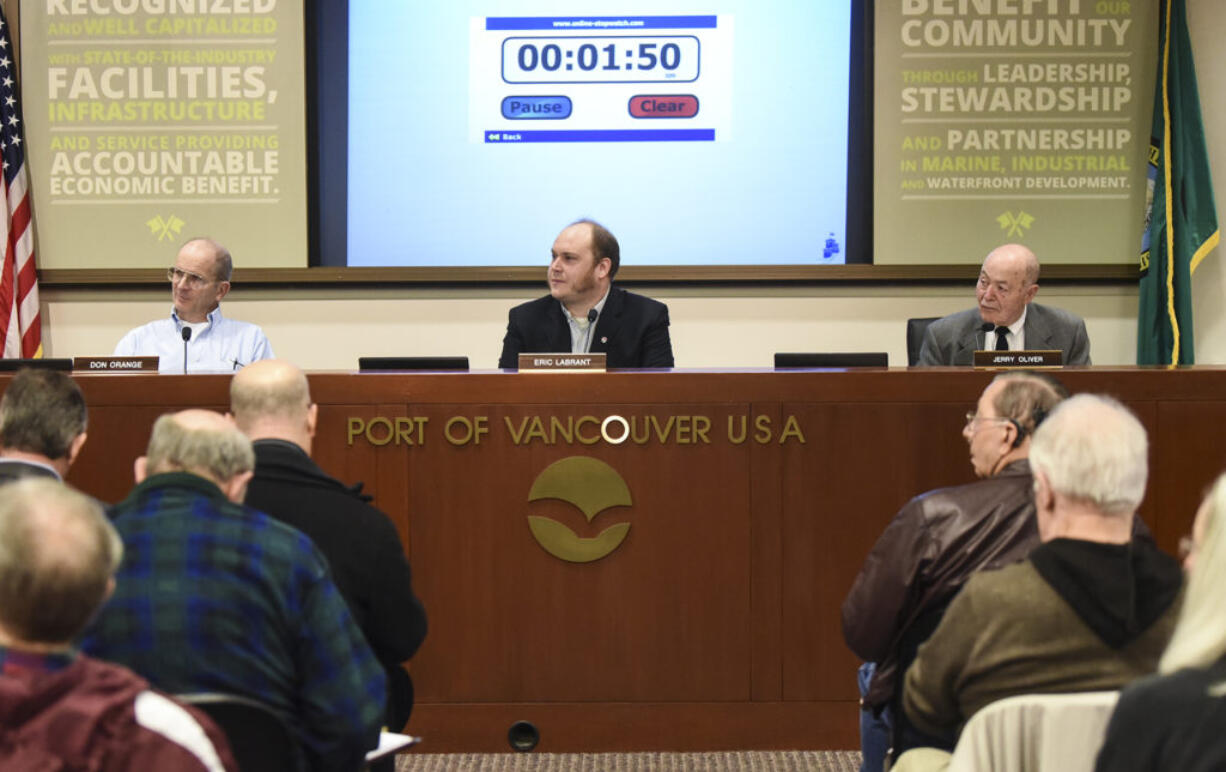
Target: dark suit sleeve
pixel 948 341
pixel 657 347
pixel 930 353
pixel 396 621
pixel 1079 350
pixel 512 344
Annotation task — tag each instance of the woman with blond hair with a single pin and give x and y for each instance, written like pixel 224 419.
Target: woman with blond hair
pixel 1177 719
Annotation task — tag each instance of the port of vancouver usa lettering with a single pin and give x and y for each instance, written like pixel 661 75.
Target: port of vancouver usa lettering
pixel 416 431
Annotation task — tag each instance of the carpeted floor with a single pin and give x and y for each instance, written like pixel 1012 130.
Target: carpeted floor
pixel 715 761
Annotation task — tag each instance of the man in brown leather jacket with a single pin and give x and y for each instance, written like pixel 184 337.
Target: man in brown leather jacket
pixel 936 541
pixel 1090 608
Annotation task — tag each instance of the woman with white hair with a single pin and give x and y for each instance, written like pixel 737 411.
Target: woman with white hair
pixel 1177 719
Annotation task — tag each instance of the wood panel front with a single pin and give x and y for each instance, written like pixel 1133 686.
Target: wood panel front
pixel 715 623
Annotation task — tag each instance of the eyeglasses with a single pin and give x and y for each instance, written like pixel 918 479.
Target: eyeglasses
pixel 972 417
pixel 186 278
pixel 985 282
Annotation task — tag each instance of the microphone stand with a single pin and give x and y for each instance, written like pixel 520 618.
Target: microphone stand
pixel 187 335
pixel 591 325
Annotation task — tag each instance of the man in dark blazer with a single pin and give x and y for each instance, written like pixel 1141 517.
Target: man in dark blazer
pixel 42 425
pixel 584 312
pixel 271 404
pixel 1007 284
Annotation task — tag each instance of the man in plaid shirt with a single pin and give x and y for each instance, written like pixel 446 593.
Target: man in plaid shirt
pixel 215 596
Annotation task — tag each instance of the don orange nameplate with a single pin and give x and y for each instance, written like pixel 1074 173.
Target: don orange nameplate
pixel 563 363
pixel 115 364
pixel 1030 360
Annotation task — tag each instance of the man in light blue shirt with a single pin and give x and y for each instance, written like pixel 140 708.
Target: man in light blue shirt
pixel 199 280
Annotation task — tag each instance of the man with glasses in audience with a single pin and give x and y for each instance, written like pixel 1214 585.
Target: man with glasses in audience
pixel 1005 319
pixel 1090 609
pixel 935 543
pixel 199 279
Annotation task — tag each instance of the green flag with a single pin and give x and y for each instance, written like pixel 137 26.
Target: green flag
pixel 1181 221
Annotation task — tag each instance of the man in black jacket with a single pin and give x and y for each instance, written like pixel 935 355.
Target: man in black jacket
pixel 934 544
pixel 271 404
pixel 584 312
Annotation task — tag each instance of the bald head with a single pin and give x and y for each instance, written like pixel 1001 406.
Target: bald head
pixel 270 399
pixel 198 420
pixel 207 249
pixel 1015 259
pixel 1008 281
pixel 202 443
pixel 1027 398
pixel 58 554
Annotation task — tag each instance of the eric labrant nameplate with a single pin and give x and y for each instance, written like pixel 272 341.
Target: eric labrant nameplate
pixel 563 363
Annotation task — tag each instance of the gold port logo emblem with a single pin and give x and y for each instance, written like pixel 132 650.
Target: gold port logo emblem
pixel 591 486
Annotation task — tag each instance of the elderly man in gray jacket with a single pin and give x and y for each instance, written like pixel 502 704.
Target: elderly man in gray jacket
pixel 1005 317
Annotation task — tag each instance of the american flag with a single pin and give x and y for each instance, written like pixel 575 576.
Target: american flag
pixel 20 330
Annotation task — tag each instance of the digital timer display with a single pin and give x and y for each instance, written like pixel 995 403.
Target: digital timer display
pixel 567 79
pixel 477 129
pixel 605 59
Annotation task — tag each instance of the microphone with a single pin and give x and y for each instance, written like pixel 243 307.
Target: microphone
pixel 591 315
pixel 987 327
pixel 187 335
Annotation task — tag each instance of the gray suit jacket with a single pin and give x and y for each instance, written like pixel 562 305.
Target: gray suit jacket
pixel 12 470
pixel 952 340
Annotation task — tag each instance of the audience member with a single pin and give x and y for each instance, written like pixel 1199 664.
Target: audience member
pixel 60 709
pixel 42 425
pixel 1174 720
pixel 271 403
pixel 217 597
pixel 1090 609
pixel 199 279
pixel 1008 282
pixel 921 560
pixel 584 312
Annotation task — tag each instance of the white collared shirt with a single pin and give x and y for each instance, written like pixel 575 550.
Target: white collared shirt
pixel 224 345
pixel 1016 335
pixel 581 330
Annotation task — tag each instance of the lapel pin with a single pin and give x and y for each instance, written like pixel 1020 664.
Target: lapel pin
pixel 604 339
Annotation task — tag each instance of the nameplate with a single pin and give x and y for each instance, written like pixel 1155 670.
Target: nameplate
pixel 115 364
pixel 1029 360
pixel 563 363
